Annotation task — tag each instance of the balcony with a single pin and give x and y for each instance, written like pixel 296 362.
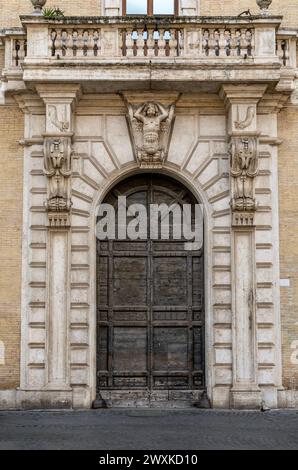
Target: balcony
pixel 186 53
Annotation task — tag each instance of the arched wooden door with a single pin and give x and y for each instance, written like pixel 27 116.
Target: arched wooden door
pixel 150 308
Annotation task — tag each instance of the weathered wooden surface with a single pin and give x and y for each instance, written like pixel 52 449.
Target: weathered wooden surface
pixel 150 307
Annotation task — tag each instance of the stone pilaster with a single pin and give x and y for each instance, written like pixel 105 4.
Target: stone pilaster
pixel 241 104
pixel 60 102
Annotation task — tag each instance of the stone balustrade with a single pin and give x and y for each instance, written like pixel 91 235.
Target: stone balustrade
pixel 154 41
pixel 196 38
pixel 101 49
pixel 15 43
pixel 286 50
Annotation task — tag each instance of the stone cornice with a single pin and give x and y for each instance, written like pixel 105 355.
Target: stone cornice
pixel 110 20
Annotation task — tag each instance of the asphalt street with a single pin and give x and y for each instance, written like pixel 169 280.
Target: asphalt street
pixel 137 429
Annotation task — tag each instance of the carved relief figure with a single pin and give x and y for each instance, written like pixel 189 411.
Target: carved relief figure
pixel 151 126
pixel 250 114
pixel 58 170
pixel 62 126
pixel 244 168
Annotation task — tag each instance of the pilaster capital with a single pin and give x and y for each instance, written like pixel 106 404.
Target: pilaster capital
pixel 60 102
pixel 241 105
pixel 63 93
pixel 240 94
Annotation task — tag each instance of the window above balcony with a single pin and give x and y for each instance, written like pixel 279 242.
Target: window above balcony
pixel 150 7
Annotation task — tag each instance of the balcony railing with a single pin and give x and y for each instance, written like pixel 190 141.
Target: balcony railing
pixel 153 41
pixel 220 41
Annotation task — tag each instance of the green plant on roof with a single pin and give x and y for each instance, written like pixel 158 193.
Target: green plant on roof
pixel 52 13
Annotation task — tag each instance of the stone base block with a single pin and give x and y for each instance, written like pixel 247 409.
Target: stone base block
pixel 246 399
pixel 221 397
pixel 44 400
pixel 8 399
pixel 287 399
pixel 35 400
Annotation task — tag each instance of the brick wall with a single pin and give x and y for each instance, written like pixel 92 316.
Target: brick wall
pixel 11 188
pixel 12 9
pixel 287 8
pixel 1 58
pixel 288 187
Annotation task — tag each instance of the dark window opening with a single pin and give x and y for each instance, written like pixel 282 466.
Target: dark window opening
pixel 150 7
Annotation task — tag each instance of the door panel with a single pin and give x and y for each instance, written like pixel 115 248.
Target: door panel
pixel 130 281
pixel 150 303
pixel 170 281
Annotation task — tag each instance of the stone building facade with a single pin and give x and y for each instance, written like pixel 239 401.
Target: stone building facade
pixel 222 83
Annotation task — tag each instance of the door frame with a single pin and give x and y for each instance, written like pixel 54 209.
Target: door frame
pixel 201 196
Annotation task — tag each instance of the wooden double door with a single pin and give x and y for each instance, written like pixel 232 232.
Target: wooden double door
pixel 150 305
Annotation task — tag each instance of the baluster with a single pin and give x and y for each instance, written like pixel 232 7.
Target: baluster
pixel 248 36
pixel 244 43
pixel 122 42
pixel 216 43
pixel 90 48
pixel 135 37
pixel 58 43
pixel 140 43
pixel 205 42
pixel 162 45
pixel 150 43
pixel 238 42
pixel 180 42
pixel 96 40
pixel 63 43
pixel 252 42
pixel 173 43
pixel 211 42
pixel 156 37
pixel 69 44
pixel 15 52
pixel 222 43
pixel 80 50
pixel 129 43
pixel 85 40
pixel 52 39
pixel 22 51
pixel 75 36
pixel 145 37
pixel 233 42
pixel 285 57
pixel 227 39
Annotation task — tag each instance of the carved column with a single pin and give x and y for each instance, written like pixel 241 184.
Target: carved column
pixel 58 169
pixel 241 104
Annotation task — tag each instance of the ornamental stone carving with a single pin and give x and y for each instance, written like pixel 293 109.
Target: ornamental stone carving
pixel 57 152
pixel 244 168
pixel 264 6
pixel 250 115
pixel 151 126
pixel 62 126
pixel 38 5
